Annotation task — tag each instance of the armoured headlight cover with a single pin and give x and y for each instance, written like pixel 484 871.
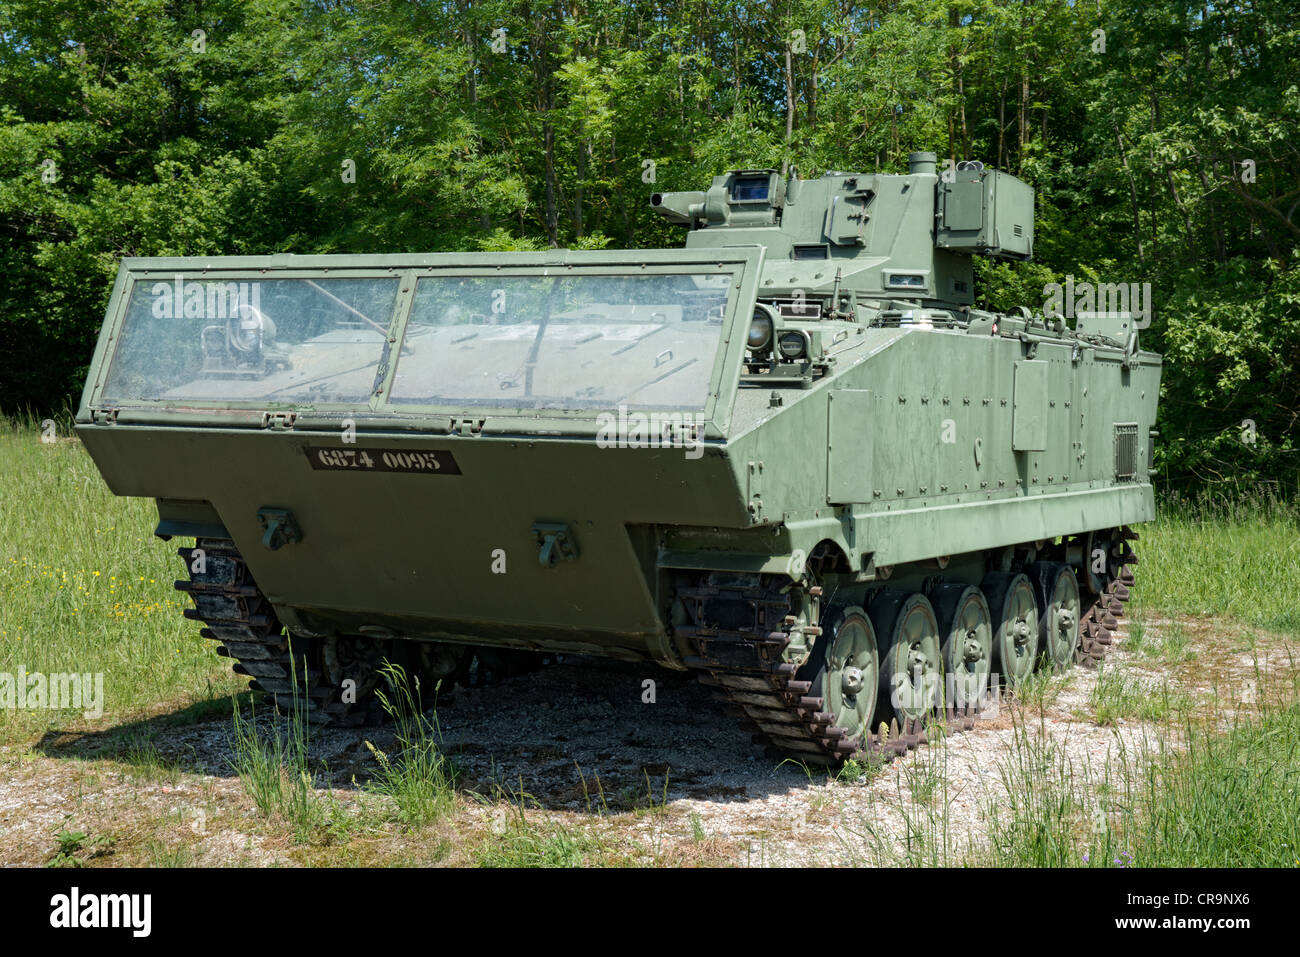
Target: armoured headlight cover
pixel 793 344
pixel 762 327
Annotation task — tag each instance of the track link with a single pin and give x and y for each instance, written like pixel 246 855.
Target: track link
pixel 741 626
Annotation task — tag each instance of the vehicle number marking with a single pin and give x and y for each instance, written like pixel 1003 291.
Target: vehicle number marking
pixel 423 461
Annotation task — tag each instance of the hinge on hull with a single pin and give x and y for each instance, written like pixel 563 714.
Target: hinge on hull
pixel 755 490
pixel 103 416
pixel 279 421
pixel 467 426
pixel 681 435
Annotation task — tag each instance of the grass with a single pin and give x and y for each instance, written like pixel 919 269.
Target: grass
pixel 1169 643
pixel 272 759
pixel 86 588
pixel 161 855
pixel 697 828
pixel 418 778
pixel 1040 689
pixel 141 758
pixel 1225 800
pixel 1199 797
pixel 517 841
pixel 1238 560
pixel 526 844
pixel 1035 825
pixel 1117 695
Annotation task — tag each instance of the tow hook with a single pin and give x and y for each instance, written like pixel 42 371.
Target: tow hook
pixel 555 543
pixel 279 527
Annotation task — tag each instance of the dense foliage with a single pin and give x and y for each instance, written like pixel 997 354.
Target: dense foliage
pixel 1163 137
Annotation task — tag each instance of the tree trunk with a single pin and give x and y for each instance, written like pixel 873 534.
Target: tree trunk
pixel 484 219
pixel 1216 228
pixel 1153 121
pixel 965 127
pixel 1024 121
pixel 622 194
pixel 548 131
pixel 812 87
pixel 1002 122
pixel 736 47
pixel 1187 218
pixel 789 97
pixel 552 210
pixel 584 150
pixel 1132 191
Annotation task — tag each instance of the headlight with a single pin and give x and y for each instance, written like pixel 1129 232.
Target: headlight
pixel 250 329
pixel 760 332
pixel 793 345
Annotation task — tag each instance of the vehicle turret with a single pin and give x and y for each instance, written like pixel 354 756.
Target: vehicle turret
pixel 858 236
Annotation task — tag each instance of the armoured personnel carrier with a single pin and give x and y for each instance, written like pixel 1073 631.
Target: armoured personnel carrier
pixel 791 457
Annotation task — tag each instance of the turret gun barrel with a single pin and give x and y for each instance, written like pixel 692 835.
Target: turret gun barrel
pixel 682 209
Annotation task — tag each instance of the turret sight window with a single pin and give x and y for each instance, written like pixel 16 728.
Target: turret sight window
pixel 750 189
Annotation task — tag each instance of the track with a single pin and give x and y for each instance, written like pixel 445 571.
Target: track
pixel 237 614
pixel 744 629
pixel 1100 616
pixel 332 679
pixel 743 625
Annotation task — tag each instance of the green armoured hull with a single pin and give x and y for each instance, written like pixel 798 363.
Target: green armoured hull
pixel 414 552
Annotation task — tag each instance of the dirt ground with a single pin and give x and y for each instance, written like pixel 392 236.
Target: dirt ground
pixel 577 748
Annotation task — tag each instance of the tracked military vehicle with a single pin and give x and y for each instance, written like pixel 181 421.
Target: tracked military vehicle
pixel 792 457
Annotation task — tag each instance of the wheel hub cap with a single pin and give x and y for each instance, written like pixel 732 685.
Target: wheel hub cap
pixel 1020 631
pixel 1065 622
pixel 851 681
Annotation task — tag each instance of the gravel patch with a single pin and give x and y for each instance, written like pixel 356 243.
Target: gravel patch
pixel 579 744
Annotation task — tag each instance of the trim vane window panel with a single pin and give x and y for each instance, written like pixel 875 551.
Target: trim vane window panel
pixel 562 342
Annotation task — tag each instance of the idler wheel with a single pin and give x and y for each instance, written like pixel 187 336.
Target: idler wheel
pixel 361 659
pixel 354 658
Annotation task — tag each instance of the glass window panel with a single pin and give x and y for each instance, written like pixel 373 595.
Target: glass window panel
pixel 562 342
pixel 251 340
